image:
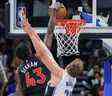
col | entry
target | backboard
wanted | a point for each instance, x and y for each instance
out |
(42, 18)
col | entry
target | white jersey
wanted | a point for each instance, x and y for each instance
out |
(65, 87)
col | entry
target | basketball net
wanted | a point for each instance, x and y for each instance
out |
(67, 34)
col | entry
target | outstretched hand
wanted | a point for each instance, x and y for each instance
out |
(55, 5)
(26, 25)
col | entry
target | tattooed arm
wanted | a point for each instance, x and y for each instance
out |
(51, 25)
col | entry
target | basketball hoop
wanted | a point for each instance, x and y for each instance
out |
(67, 33)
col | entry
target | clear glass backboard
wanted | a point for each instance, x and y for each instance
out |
(37, 11)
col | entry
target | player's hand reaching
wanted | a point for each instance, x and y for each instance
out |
(55, 5)
(52, 9)
(28, 29)
(26, 25)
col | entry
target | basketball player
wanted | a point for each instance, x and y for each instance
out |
(31, 75)
(62, 79)
(48, 42)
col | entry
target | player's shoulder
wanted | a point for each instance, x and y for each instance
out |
(67, 76)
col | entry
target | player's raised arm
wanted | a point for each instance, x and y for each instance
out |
(42, 51)
(51, 25)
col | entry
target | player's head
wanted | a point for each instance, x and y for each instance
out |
(21, 53)
(75, 68)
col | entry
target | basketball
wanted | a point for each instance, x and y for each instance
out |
(61, 11)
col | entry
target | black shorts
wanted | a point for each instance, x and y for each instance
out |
(49, 90)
